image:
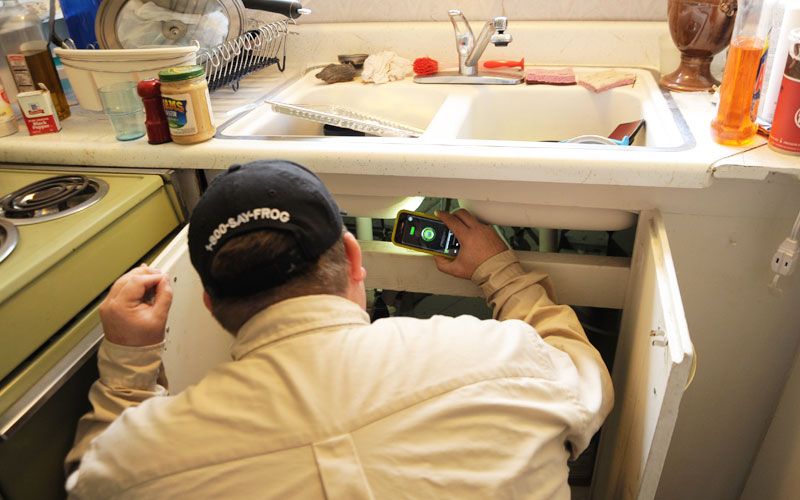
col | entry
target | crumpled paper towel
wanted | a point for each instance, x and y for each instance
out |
(385, 67)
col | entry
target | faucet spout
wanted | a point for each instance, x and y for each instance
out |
(469, 49)
(493, 31)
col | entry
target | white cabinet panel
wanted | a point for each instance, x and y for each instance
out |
(580, 280)
(195, 342)
(652, 366)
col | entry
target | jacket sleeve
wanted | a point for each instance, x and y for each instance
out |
(514, 293)
(128, 376)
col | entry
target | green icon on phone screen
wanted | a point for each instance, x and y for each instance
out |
(428, 234)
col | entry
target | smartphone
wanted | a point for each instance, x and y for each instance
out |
(424, 233)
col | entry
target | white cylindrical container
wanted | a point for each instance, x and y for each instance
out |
(785, 134)
(8, 123)
(774, 75)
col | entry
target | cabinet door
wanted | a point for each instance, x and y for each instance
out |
(652, 366)
(195, 342)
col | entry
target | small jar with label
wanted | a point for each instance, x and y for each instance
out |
(184, 93)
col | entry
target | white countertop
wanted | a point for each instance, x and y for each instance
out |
(87, 139)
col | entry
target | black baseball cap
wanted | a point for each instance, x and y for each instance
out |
(272, 194)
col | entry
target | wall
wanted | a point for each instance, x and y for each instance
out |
(745, 337)
(357, 11)
(774, 474)
(331, 11)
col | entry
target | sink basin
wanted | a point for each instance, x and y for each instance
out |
(401, 102)
(523, 115)
(540, 115)
(537, 113)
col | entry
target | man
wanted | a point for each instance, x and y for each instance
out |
(318, 402)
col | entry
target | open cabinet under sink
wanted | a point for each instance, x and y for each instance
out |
(652, 366)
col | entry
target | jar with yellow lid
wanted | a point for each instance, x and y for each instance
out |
(184, 93)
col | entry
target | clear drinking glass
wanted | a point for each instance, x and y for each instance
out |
(124, 109)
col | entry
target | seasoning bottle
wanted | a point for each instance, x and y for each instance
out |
(785, 134)
(155, 118)
(187, 104)
(18, 24)
(43, 70)
(733, 125)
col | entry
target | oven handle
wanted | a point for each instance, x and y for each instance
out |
(19, 413)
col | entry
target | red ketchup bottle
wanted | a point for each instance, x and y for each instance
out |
(155, 118)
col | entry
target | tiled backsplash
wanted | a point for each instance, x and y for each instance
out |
(335, 11)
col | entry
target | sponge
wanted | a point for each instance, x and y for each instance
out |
(564, 76)
(604, 80)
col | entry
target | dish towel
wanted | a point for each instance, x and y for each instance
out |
(385, 67)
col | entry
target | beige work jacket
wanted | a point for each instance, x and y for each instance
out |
(320, 403)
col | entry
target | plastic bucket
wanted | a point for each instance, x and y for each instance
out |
(89, 70)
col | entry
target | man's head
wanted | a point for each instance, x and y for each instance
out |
(263, 232)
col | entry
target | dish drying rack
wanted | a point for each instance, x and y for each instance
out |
(330, 114)
(227, 63)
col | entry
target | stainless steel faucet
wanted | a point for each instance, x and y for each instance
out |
(470, 51)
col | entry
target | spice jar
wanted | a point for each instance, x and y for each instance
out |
(184, 93)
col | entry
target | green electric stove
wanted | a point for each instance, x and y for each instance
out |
(75, 232)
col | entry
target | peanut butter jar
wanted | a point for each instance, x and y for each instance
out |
(184, 93)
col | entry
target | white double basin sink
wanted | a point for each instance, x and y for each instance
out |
(521, 113)
(463, 115)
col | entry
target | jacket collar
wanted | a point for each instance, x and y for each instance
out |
(294, 316)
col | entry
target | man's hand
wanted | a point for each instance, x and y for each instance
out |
(478, 243)
(135, 311)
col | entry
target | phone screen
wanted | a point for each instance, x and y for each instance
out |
(424, 232)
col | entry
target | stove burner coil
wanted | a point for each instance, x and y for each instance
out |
(51, 198)
(44, 193)
(8, 238)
